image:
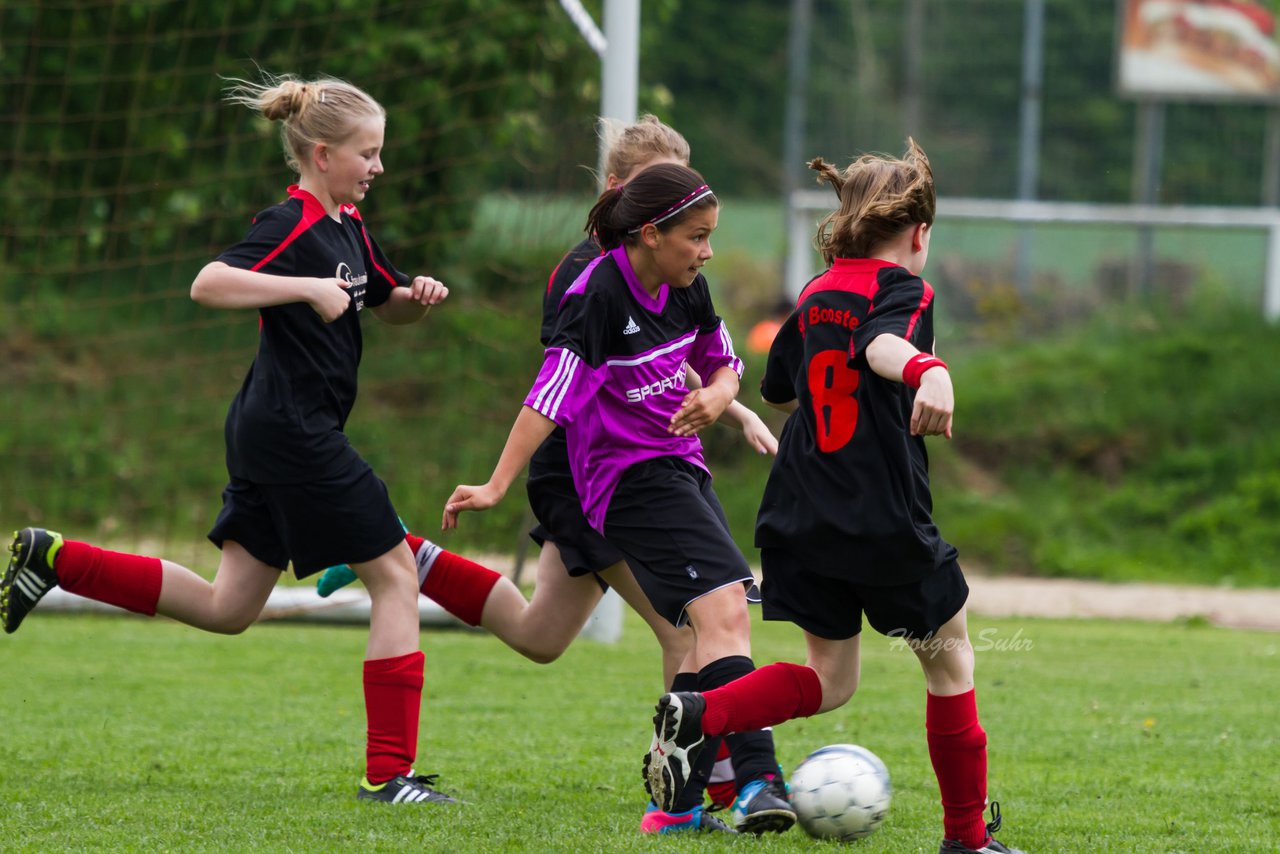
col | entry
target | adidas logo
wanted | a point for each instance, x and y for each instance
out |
(632, 327)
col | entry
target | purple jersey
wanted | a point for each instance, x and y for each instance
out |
(614, 373)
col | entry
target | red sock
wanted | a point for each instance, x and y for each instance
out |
(958, 750)
(392, 701)
(722, 788)
(764, 697)
(124, 580)
(458, 585)
(415, 542)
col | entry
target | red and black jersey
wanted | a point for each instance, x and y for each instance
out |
(849, 489)
(285, 424)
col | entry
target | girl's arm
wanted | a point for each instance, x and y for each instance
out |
(411, 303)
(737, 415)
(703, 405)
(888, 355)
(530, 430)
(219, 285)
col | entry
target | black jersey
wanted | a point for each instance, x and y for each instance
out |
(849, 490)
(562, 278)
(552, 457)
(285, 424)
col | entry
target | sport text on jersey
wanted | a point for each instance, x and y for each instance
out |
(355, 284)
(817, 314)
(675, 382)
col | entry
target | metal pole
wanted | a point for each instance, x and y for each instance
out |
(1029, 132)
(1271, 160)
(620, 70)
(913, 50)
(799, 267)
(1148, 162)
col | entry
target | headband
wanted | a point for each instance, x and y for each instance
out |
(696, 196)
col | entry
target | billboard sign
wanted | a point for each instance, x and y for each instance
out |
(1203, 49)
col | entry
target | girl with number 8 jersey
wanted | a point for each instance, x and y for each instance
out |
(845, 525)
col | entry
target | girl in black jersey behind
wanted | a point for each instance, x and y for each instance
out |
(845, 525)
(298, 491)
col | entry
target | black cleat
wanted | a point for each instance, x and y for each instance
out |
(677, 741)
(29, 575)
(763, 807)
(405, 789)
(991, 846)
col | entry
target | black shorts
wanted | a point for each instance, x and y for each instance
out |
(343, 518)
(666, 519)
(832, 608)
(558, 509)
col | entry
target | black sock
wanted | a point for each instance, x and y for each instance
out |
(752, 752)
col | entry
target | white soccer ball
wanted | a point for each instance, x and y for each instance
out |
(841, 791)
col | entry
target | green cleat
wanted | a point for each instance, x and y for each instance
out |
(334, 578)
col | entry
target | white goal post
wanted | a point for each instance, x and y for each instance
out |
(805, 205)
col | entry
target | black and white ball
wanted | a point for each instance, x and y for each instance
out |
(841, 791)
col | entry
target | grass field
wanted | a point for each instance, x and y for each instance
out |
(125, 734)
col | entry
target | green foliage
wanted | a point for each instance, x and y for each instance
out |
(1136, 445)
(116, 727)
(123, 149)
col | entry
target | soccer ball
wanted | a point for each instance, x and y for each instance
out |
(841, 791)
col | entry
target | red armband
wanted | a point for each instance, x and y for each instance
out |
(917, 365)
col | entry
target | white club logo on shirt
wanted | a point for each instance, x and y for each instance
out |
(632, 327)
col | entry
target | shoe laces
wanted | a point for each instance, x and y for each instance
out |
(428, 780)
(994, 824)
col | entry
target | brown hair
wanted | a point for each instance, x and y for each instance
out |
(309, 111)
(880, 197)
(657, 193)
(633, 145)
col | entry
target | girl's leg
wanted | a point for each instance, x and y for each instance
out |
(146, 585)
(227, 605)
(676, 643)
(392, 669)
(542, 627)
(957, 742)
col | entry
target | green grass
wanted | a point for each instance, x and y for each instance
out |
(125, 734)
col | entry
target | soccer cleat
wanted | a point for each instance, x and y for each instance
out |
(29, 575)
(991, 846)
(334, 578)
(405, 789)
(762, 807)
(696, 819)
(677, 741)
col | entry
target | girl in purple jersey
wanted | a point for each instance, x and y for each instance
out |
(614, 376)
(575, 558)
(298, 491)
(845, 525)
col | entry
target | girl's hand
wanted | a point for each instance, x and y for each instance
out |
(935, 402)
(700, 407)
(468, 498)
(758, 434)
(329, 299)
(427, 291)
